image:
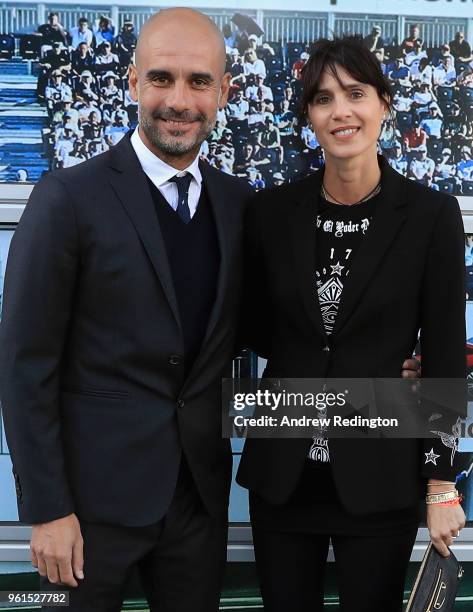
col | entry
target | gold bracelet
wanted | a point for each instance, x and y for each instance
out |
(438, 498)
(439, 484)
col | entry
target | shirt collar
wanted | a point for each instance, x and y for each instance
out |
(158, 170)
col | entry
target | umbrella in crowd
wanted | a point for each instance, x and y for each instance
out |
(247, 24)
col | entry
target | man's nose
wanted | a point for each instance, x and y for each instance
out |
(178, 97)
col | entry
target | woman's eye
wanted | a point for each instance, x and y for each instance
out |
(321, 100)
(357, 94)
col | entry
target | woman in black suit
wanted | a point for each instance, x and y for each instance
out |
(331, 295)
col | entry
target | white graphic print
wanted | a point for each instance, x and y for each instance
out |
(341, 236)
(319, 450)
(431, 457)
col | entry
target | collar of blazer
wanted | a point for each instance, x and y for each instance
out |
(388, 219)
(131, 187)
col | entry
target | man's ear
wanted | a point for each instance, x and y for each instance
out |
(224, 90)
(133, 82)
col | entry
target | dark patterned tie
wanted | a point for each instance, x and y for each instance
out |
(183, 183)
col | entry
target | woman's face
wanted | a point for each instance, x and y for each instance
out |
(347, 122)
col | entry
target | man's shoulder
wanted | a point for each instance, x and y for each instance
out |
(84, 174)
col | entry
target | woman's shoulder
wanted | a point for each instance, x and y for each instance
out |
(274, 200)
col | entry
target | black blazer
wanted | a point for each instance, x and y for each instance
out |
(96, 407)
(408, 275)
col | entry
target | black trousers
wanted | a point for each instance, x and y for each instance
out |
(370, 570)
(180, 559)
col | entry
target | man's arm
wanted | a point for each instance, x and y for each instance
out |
(38, 300)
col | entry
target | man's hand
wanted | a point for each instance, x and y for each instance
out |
(57, 550)
(411, 369)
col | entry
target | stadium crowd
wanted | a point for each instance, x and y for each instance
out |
(259, 136)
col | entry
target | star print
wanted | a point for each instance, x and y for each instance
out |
(431, 457)
(337, 268)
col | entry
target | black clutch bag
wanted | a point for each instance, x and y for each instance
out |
(436, 583)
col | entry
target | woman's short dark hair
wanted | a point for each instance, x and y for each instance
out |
(351, 53)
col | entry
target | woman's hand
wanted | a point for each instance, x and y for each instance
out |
(444, 523)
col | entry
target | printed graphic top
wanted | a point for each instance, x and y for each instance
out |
(340, 230)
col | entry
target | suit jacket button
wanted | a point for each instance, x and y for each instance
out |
(181, 404)
(175, 360)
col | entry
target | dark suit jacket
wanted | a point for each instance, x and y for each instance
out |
(408, 274)
(96, 407)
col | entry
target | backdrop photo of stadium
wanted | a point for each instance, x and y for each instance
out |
(64, 94)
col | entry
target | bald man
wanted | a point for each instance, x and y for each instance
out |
(120, 306)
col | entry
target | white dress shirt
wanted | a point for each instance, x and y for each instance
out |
(160, 173)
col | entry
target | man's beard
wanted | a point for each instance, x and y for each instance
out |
(172, 144)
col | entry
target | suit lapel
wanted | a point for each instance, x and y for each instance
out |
(219, 203)
(129, 183)
(388, 219)
(302, 224)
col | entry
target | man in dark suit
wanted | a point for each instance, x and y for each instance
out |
(119, 317)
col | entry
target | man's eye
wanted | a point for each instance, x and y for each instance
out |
(160, 80)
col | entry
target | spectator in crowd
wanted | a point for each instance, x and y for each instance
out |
(299, 65)
(244, 159)
(278, 179)
(397, 159)
(64, 145)
(125, 43)
(257, 114)
(82, 33)
(414, 137)
(257, 90)
(110, 91)
(92, 128)
(253, 65)
(444, 73)
(422, 99)
(465, 164)
(414, 35)
(83, 58)
(432, 124)
(236, 69)
(86, 86)
(425, 71)
(285, 120)
(76, 156)
(114, 133)
(413, 58)
(309, 138)
(114, 109)
(106, 60)
(86, 107)
(52, 32)
(400, 72)
(374, 41)
(269, 140)
(229, 36)
(58, 58)
(21, 176)
(105, 31)
(255, 179)
(389, 137)
(67, 114)
(445, 169)
(57, 91)
(290, 97)
(421, 167)
(237, 110)
(460, 48)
